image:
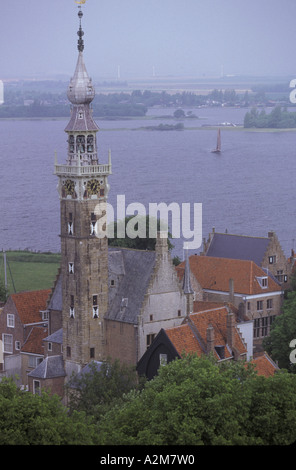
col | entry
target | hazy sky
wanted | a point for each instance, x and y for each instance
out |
(176, 37)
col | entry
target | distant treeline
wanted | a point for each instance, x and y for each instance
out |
(278, 118)
(37, 100)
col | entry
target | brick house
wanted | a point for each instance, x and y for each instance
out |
(214, 331)
(253, 291)
(266, 252)
(22, 312)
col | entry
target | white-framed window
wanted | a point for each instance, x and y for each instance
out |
(36, 387)
(259, 305)
(17, 345)
(269, 304)
(263, 281)
(163, 359)
(10, 320)
(7, 343)
(45, 315)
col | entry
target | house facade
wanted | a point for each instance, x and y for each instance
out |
(266, 252)
(256, 294)
(214, 331)
(21, 314)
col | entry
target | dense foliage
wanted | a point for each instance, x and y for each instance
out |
(192, 401)
(27, 419)
(283, 331)
(278, 118)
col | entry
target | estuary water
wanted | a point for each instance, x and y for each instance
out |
(247, 189)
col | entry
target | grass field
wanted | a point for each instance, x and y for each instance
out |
(27, 270)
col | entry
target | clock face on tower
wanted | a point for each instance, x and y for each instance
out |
(93, 187)
(69, 186)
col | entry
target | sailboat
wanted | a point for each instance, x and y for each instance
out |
(218, 148)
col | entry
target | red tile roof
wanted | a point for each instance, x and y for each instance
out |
(215, 273)
(34, 343)
(185, 341)
(264, 365)
(29, 304)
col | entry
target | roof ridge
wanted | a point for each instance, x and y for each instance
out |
(208, 310)
(237, 235)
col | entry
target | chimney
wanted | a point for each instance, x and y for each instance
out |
(230, 329)
(231, 291)
(210, 339)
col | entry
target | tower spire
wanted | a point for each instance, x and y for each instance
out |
(80, 32)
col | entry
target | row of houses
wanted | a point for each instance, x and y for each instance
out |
(222, 301)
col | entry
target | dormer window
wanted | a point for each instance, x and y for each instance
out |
(263, 281)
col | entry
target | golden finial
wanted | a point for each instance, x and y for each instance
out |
(81, 2)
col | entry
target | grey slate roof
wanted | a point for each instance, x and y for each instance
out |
(49, 368)
(224, 245)
(56, 337)
(87, 122)
(134, 268)
(138, 267)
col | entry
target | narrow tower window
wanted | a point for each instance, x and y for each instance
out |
(80, 143)
(90, 143)
(72, 309)
(95, 307)
(71, 268)
(70, 224)
(71, 143)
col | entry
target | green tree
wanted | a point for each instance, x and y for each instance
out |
(96, 391)
(283, 331)
(139, 243)
(27, 419)
(195, 401)
(190, 402)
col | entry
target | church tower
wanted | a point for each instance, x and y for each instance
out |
(83, 190)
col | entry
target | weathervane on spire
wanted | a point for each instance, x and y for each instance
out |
(81, 2)
(80, 33)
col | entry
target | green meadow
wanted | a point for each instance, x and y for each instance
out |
(28, 270)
